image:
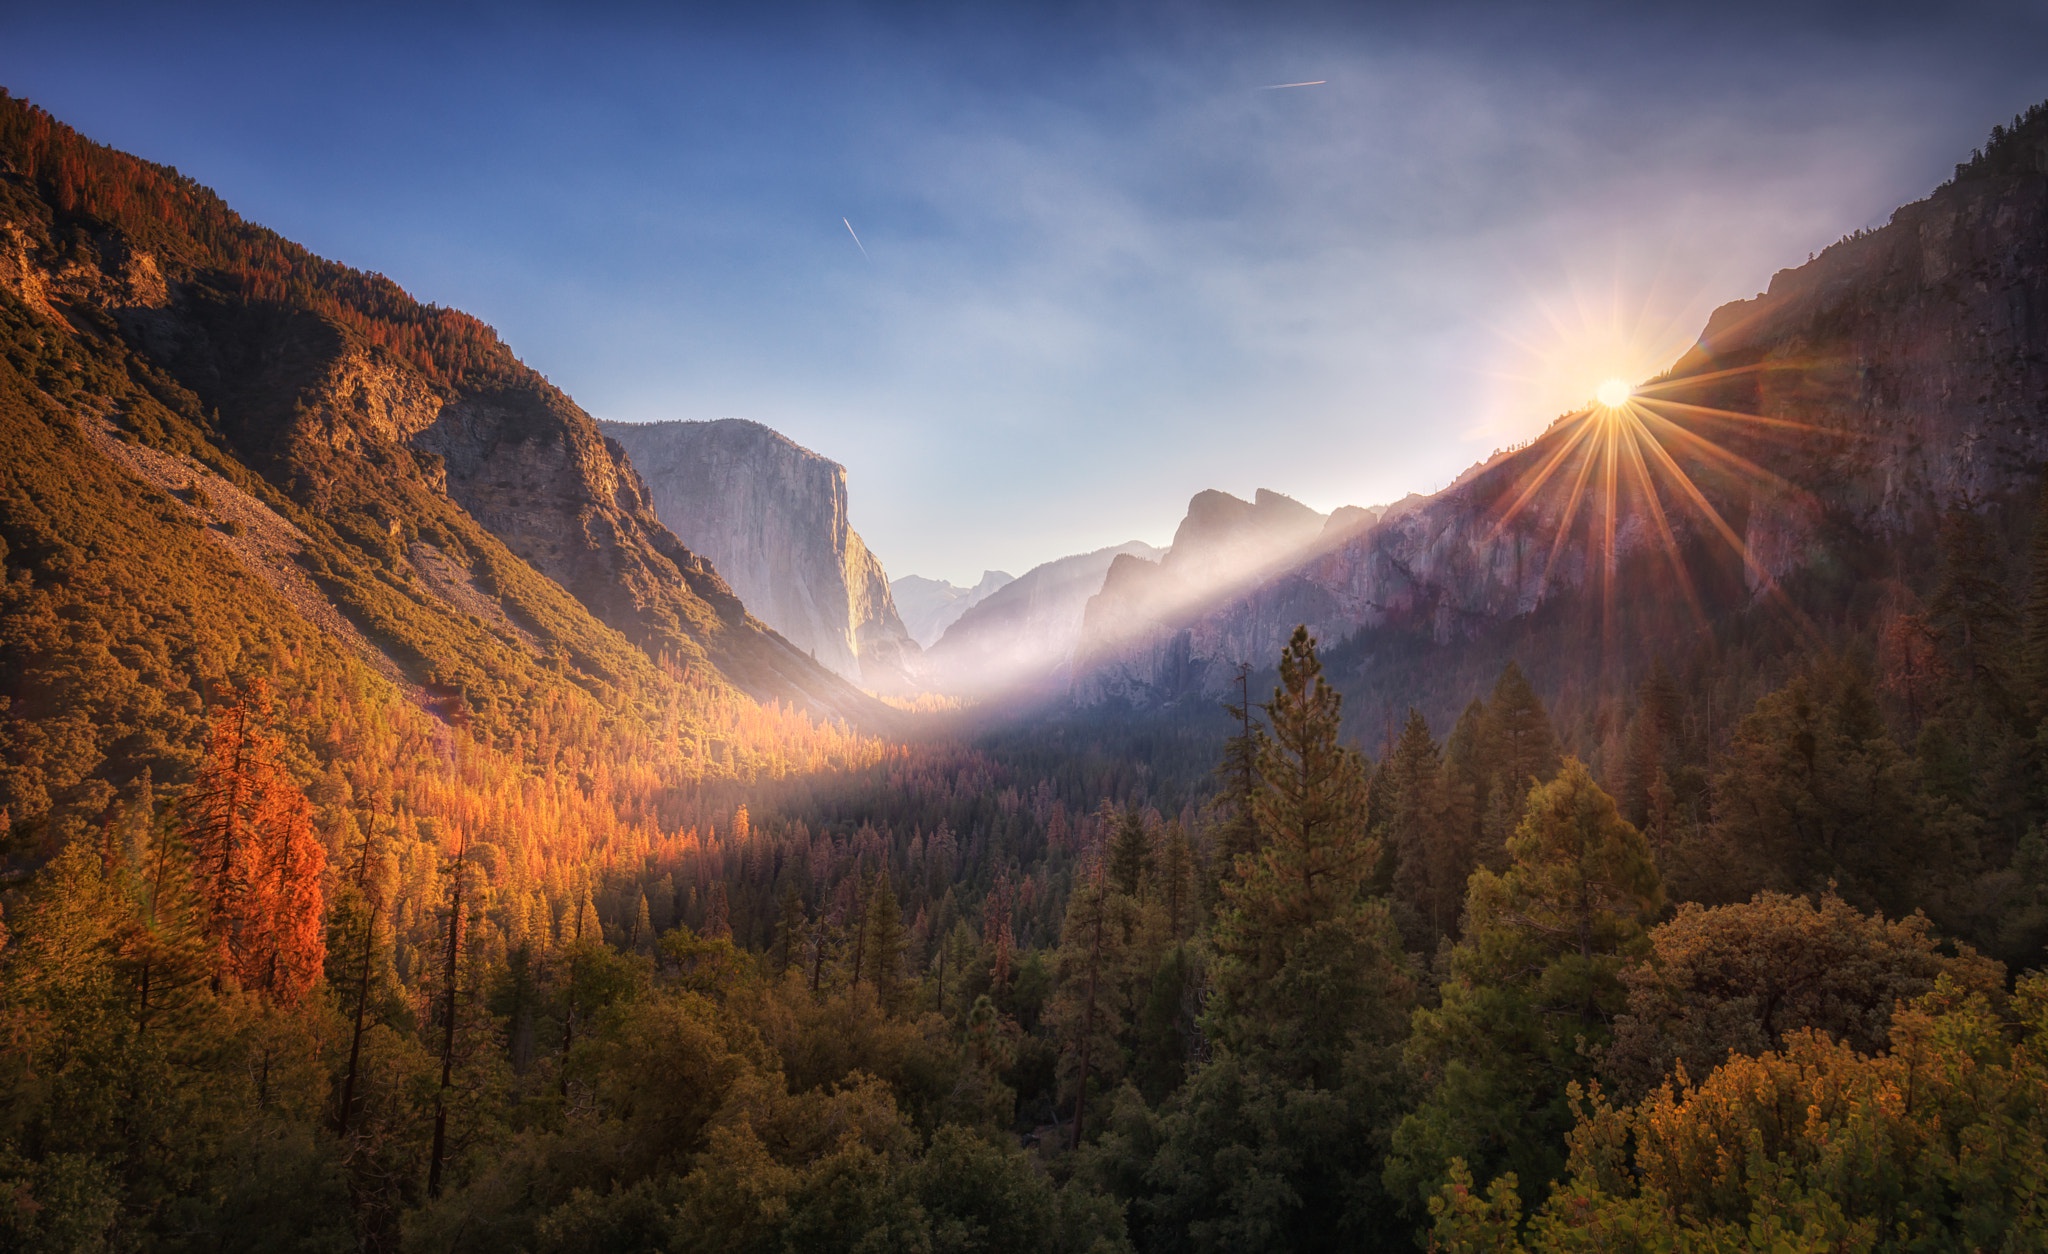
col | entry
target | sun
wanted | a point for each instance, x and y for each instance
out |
(1613, 394)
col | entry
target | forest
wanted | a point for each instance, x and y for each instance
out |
(1776, 991)
(538, 932)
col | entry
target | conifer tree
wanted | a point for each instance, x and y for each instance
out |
(1430, 860)
(789, 927)
(2034, 621)
(1177, 881)
(1130, 851)
(259, 864)
(886, 944)
(1522, 748)
(1305, 963)
(1973, 615)
(1533, 986)
(1237, 777)
(1084, 1012)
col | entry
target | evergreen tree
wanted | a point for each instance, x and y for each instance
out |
(1430, 860)
(1814, 791)
(1532, 989)
(1522, 749)
(1305, 963)
(259, 864)
(2034, 621)
(886, 944)
(1130, 852)
(1237, 776)
(1973, 613)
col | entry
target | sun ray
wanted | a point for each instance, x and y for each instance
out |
(1763, 578)
(1542, 475)
(1727, 457)
(1607, 529)
(1655, 503)
(1571, 514)
(1666, 383)
(1725, 415)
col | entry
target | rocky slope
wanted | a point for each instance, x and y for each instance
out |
(771, 517)
(1900, 372)
(1026, 631)
(930, 606)
(434, 474)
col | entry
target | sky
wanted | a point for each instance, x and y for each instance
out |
(1105, 260)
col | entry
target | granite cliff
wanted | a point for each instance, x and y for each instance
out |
(770, 515)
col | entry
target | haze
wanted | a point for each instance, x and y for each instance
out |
(1103, 269)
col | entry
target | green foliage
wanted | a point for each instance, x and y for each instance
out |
(1532, 989)
(1743, 978)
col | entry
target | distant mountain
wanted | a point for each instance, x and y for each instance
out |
(1025, 632)
(1222, 545)
(771, 516)
(1807, 444)
(930, 606)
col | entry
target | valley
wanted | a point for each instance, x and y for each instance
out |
(438, 818)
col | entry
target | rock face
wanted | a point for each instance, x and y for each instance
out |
(930, 606)
(771, 517)
(1900, 372)
(1026, 631)
(1223, 545)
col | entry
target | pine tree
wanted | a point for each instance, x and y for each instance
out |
(2034, 621)
(1430, 861)
(1522, 748)
(886, 944)
(1533, 986)
(1083, 1011)
(1306, 966)
(789, 927)
(1130, 851)
(1177, 881)
(1973, 613)
(1237, 777)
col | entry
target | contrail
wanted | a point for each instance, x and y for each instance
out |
(1311, 83)
(856, 240)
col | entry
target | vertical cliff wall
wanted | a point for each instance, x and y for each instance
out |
(771, 517)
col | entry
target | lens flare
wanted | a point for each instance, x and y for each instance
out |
(1642, 467)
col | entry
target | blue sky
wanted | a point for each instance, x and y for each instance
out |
(1105, 267)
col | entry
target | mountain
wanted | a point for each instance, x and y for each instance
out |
(1024, 632)
(1810, 439)
(771, 517)
(1222, 545)
(930, 606)
(226, 458)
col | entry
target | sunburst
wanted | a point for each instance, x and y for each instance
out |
(1626, 455)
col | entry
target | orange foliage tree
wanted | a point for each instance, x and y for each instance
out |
(256, 858)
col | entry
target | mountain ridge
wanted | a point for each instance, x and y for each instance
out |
(1899, 371)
